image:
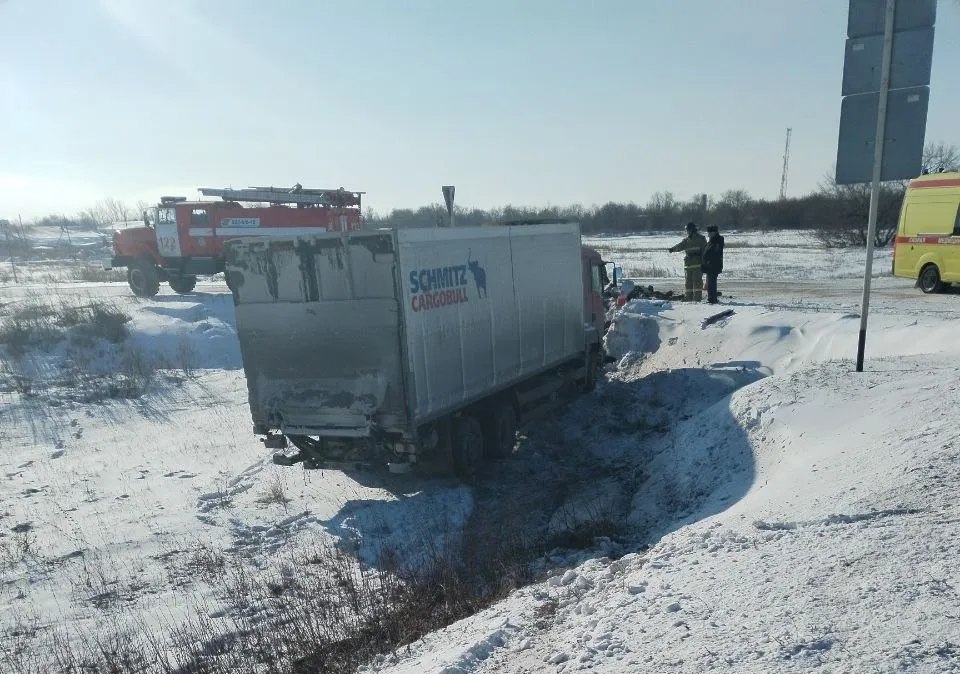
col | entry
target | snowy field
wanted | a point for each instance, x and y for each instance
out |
(774, 510)
(748, 255)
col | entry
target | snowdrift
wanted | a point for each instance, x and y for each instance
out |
(805, 520)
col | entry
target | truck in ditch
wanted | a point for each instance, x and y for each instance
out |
(413, 345)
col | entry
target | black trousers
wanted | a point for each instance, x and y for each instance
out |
(711, 288)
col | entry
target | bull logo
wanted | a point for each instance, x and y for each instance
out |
(479, 276)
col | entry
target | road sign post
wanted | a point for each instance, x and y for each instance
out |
(448, 191)
(886, 77)
(875, 184)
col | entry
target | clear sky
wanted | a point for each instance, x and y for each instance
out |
(527, 102)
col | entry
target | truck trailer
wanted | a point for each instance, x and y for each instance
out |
(413, 345)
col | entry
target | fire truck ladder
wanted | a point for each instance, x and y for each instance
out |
(296, 195)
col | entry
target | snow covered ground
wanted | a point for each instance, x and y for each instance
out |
(807, 520)
(790, 255)
(779, 512)
(111, 505)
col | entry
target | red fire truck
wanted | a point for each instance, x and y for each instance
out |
(181, 238)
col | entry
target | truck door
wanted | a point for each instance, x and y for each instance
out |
(594, 312)
(319, 329)
(168, 238)
(200, 233)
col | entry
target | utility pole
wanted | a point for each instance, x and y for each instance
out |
(786, 164)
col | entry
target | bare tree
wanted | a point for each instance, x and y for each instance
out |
(941, 156)
(849, 224)
(730, 209)
(107, 211)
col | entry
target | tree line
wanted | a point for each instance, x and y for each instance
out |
(836, 213)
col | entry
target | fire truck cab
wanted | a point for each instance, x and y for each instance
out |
(180, 239)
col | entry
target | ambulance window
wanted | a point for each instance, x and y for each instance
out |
(198, 216)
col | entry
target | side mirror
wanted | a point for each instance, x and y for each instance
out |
(617, 274)
(146, 220)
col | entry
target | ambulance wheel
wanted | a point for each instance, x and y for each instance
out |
(183, 285)
(143, 278)
(500, 431)
(467, 448)
(929, 280)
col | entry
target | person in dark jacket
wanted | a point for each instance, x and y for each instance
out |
(712, 261)
(692, 249)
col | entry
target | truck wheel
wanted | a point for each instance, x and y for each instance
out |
(467, 448)
(500, 431)
(143, 278)
(183, 284)
(929, 280)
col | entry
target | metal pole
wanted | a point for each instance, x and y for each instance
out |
(875, 184)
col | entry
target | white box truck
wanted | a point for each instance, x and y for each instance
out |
(413, 344)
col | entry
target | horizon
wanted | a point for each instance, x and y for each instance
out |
(545, 104)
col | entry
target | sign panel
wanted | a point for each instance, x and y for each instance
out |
(866, 16)
(240, 222)
(909, 63)
(903, 135)
(448, 191)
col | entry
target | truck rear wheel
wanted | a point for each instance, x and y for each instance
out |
(467, 448)
(929, 280)
(183, 284)
(500, 431)
(143, 278)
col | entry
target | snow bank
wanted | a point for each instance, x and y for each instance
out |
(840, 552)
(806, 520)
(778, 340)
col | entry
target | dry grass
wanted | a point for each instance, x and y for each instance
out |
(319, 611)
(40, 325)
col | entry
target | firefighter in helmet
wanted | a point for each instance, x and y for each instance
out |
(692, 247)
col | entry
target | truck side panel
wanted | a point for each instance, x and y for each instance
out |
(319, 330)
(550, 305)
(487, 307)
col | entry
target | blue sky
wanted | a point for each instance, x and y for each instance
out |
(527, 102)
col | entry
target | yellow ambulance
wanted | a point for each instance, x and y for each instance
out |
(927, 246)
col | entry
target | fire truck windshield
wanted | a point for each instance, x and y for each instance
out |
(150, 217)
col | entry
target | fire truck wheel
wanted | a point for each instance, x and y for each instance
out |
(929, 280)
(500, 431)
(143, 278)
(467, 448)
(183, 285)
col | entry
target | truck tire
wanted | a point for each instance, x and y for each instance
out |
(929, 280)
(467, 448)
(183, 285)
(143, 278)
(500, 431)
